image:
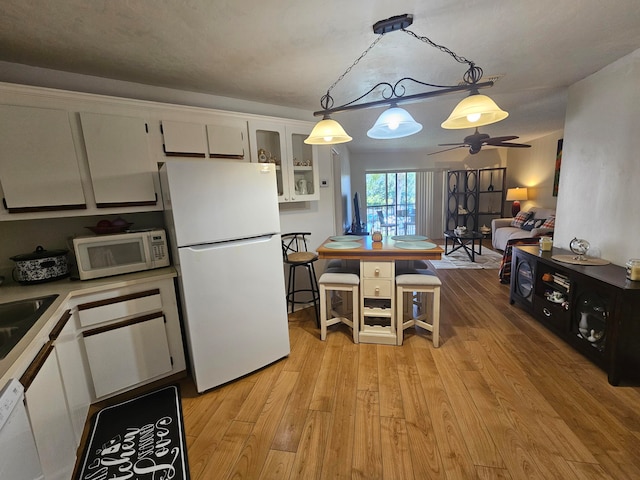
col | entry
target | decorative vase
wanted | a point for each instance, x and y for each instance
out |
(583, 325)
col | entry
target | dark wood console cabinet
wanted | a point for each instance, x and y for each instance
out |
(595, 309)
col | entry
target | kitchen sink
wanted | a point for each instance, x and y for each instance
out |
(16, 318)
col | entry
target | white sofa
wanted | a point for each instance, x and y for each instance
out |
(502, 231)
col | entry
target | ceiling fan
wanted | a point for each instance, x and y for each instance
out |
(477, 140)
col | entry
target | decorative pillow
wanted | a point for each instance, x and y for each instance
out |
(520, 218)
(532, 223)
(550, 222)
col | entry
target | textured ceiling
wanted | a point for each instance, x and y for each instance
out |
(288, 53)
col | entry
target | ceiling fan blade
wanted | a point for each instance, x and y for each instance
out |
(512, 145)
(446, 149)
(494, 140)
(451, 144)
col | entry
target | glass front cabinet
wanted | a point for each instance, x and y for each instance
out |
(595, 309)
(295, 161)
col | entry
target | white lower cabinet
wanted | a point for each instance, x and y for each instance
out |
(49, 417)
(75, 374)
(126, 354)
(129, 336)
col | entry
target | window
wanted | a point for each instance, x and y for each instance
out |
(391, 202)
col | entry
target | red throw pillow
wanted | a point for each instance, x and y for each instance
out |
(550, 222)
(520, 218)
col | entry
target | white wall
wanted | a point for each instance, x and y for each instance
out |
(534, 168)
(600, 175)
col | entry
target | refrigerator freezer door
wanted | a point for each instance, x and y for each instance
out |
(218, 201)
(234, 306)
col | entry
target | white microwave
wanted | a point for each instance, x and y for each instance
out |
(105, 255)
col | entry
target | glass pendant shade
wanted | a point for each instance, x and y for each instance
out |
(394, 123)
(327, 132)
(474, 111)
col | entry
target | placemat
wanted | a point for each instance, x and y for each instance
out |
(142, 438)
(573, 260)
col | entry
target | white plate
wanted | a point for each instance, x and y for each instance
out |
(342, 245)
(343, 238)
(416, 245)
(409, 238)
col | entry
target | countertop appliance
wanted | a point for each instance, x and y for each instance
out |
(224, 231)
(105, 255)
(18, 455)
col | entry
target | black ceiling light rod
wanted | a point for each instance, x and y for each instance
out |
(395, 94)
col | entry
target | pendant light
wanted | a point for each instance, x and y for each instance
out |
(474, 111)
(394, 122)
(327, 132)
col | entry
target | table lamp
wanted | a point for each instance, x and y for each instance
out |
(515, 195)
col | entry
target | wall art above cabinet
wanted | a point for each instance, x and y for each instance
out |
(38, 162)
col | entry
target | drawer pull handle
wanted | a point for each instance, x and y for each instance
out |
(546, 312)
(377, 272)
(377, 290)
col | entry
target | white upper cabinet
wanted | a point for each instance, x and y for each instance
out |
(218, 138)
(38, 163)
(296, 162)
(228, 138)
(184, 139)
(122, 172)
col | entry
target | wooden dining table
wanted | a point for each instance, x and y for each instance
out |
(377, 315)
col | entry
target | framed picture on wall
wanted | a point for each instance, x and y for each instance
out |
(556, 176)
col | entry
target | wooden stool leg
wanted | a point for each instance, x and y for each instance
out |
(324, 309)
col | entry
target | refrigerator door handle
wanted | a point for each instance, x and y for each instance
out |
(231, 243)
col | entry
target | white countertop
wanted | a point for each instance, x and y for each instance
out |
(37, 336)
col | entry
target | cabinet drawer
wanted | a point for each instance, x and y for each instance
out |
(377, 287)
(376, 269)
(552, 314)
(119, 307)
(126, 356)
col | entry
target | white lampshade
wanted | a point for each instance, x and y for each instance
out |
(517, 194)
(474, 111)
(394, 122)
(327, 132)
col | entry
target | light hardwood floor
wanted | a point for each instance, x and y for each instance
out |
(502, 398)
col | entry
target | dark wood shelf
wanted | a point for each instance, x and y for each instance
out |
(600, 316)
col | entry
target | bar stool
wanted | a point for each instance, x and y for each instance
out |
(332, 282)
(296, 255)
(425, 284)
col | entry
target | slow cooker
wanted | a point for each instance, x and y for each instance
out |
(40, 266)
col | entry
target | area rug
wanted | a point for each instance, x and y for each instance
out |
(142, 438)
(459, 259)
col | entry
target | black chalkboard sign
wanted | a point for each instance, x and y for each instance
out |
(142, 438)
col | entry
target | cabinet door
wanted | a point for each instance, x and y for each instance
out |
(121, 169)
(49, 417)
(184, 139)
(228, 138)
(74, 372)
(126, 354)
(38, 163)
(268, 143)
(302, 164)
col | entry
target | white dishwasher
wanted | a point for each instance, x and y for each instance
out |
(18, 455)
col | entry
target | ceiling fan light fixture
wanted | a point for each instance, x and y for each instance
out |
(394, 122)
(475, 110)
(327, 132)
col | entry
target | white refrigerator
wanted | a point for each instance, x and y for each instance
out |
(224, 229)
